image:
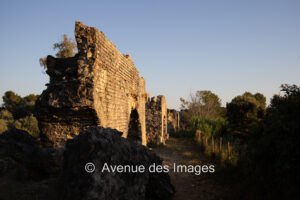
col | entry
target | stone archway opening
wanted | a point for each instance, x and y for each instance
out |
(134, 128)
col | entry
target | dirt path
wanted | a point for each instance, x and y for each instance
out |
(184, 151)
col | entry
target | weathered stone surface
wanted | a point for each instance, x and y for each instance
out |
(103, 145)
(173, 120)
(21, 158)
(99, 86)
(156, 119)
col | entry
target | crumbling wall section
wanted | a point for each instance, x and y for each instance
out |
(99, 86)
(156, 119)
(173, 121)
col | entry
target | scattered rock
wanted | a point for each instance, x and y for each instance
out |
(104, 145)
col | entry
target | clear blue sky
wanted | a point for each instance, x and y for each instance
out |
(228, 47)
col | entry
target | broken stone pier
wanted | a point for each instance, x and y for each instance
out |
(156, 119)
(173, 121)
(99, 86)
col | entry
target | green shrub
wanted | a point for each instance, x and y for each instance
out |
(245, 113)
(209, 127)
(29, 124)
(6, 118)
(6, 115)
(3, 125)
(273, 153)
(17, 105)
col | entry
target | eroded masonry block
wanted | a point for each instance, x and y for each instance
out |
(99, 86)
(156, 119)
(173, 120)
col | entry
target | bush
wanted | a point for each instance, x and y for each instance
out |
(6, 115)
(6, 118)
(3, 125)
(17, 112)
(277, 151)
(245, 112)
(272, 152)
(29, 124)
(17, 105)
(209, 127)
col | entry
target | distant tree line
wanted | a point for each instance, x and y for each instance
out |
(17, 112)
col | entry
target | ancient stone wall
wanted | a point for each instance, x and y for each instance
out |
(99, 86)
(156, 119)
(173, 120)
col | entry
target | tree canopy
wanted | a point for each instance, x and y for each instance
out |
(203, 104)
(17, 112)
(18, 106)
(66, 47)
(274, 153)
(245, 112)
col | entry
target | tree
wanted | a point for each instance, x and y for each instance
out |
(17, 112)
(245, 112)
(274, 153)
(18, 106)
(202, 104)
(66, 48)
(11, 101)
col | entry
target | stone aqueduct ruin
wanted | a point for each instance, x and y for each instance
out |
(98, 86)
(156, 119)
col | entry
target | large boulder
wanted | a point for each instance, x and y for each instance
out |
(22, 158)
(99, 145)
